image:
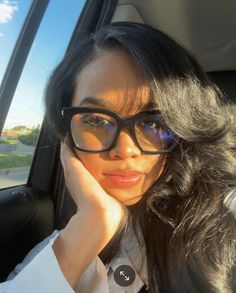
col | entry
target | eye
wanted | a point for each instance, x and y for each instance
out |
(150, 124)
(94, 120)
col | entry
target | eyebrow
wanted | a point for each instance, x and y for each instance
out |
(96, 101)
(107, 104)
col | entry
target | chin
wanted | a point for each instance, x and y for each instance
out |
(124, 196)
(132, 201)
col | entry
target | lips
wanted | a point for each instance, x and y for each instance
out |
(124, 178)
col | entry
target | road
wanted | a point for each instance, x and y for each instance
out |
(13, 176)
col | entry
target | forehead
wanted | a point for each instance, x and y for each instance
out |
(113, 78)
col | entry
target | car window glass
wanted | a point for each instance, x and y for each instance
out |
(12, 16)
(22, 126)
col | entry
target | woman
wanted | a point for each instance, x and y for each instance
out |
(147, 143)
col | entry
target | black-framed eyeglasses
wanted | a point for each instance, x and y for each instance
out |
(95, 130)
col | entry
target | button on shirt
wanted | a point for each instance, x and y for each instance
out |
(40, 272)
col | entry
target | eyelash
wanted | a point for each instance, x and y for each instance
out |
(89, 119)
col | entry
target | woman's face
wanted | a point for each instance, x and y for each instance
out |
(124, 172)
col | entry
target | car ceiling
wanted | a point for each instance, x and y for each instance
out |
(206, 27)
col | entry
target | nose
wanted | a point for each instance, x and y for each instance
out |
(125, 147)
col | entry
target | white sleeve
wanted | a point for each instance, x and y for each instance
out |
(38, 273)
(94, 279)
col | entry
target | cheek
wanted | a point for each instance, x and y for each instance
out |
(156, 166)
(92, 163)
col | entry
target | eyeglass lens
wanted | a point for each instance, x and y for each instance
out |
(97, 131)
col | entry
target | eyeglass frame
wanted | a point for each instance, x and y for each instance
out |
(68, 112)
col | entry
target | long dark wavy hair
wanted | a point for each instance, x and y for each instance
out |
(188, 231)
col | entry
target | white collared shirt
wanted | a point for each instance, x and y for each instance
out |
(40, 272)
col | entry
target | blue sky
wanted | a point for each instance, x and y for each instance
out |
(47, 50)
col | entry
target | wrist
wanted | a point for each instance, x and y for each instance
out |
(78, 244)
(114, 210)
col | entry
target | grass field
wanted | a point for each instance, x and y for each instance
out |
(15, 160)
(8, 141)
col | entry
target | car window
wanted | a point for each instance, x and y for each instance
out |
(12, 15)
(22, 126)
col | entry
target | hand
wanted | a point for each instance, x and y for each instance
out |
(86, 192)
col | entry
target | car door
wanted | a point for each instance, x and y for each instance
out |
(33, 201)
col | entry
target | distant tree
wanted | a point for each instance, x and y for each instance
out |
(30, 138)
(19, 127)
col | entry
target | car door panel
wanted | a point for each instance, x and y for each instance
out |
(26, 217)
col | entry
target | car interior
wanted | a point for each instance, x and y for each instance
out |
(30, 212)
